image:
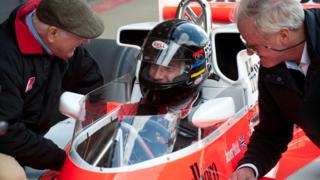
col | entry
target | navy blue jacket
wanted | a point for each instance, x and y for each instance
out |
(282, 104)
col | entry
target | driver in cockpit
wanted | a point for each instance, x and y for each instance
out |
(175, 61)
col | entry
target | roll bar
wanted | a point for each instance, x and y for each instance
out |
(202, 18)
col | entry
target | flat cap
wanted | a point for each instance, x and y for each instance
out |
(74, 16)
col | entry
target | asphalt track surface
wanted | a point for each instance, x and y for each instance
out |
(114, 13)
(125, 12)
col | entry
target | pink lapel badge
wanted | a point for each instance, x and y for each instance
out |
(30, 83)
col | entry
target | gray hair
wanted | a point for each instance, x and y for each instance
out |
(272, 15)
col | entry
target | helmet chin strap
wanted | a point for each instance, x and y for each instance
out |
(182, 110)
(183, 77)
(185, 108)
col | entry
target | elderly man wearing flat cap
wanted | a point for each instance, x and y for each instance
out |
(40, 57)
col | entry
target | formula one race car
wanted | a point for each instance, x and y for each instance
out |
(110, 144)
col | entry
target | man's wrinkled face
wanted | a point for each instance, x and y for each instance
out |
(261, 44)
(64, 44)
(166, 74)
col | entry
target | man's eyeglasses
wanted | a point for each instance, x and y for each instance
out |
(255, 49)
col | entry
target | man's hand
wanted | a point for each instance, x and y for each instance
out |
(244, 173)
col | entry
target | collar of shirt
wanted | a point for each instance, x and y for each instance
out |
(304, 62)
(35, 33)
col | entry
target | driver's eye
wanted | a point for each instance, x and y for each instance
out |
(169, 68)
(174, 64)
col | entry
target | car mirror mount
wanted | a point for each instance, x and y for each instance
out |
(213, 111)
(70, 104)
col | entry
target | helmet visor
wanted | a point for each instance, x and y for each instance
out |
(169, 60)
(167, 53)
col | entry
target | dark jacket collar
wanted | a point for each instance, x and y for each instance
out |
(312, 33)
(26, 41)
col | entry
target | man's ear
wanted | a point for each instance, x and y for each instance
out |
(52, 33)
(284, 36)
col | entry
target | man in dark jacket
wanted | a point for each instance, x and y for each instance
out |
(40, 57)
(286, 38)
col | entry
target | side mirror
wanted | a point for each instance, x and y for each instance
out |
(70, 104)
(213, 111)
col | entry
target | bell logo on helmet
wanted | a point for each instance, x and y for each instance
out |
(159, 45)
